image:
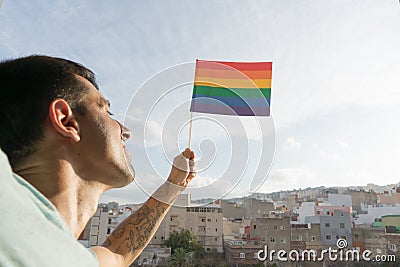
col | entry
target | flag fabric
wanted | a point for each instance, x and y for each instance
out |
(232, 88)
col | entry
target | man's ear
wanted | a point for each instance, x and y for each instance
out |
(62, 119)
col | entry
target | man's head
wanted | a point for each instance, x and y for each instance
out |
(29, 87)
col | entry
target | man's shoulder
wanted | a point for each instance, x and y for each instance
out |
(32, 232)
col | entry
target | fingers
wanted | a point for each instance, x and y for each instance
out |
(183, 168)
(182, 163)
(187, 153)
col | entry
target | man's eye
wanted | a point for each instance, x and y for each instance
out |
(109, 113)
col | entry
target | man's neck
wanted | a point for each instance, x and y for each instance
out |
(75, 199)
(76, 207)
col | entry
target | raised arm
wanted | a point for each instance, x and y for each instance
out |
(129, 239)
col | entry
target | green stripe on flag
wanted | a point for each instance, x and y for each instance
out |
(232, 92)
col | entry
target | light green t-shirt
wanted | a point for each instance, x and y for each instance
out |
(32, 232)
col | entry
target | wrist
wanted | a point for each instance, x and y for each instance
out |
(168, 192)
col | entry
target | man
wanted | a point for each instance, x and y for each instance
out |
(65, 151)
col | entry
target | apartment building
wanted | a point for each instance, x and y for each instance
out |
(362, 198)
(95, 232)
(390, 197)
(242, 252)
(103, 223)
(333, 226)
(205, 221)
(324, 209)
(255, 208)
(274, 231)
(236, 228)
(232, 210)
(305, 237)
(376, 212)
(153, 257)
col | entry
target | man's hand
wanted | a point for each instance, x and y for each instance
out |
(183, 170)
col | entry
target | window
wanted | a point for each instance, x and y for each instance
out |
(275, 227)
(272, 240)
(392, 247)
(208, 220)
(155, 237)
(356, 236)
(236, 255)
(378, 251)
(283, 240)
(203, 219)
(254, 226)
(328, 237)
(216, 239)
(242, 255)
(216, 229)
(108, 231)
(341, 225)
(313, 238)
(256, 255)
(343, 237)
(327, 225)
(162, 238)
(299, 238)
(282, 227)
(208, 249)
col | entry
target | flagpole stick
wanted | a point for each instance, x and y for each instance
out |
(190, 138)
(190, 128)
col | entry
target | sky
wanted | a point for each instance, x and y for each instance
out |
(335, 85)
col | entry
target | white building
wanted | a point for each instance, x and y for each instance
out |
(376, 212)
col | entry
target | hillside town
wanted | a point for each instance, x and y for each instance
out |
(359, 224)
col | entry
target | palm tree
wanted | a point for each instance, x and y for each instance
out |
(179, 259)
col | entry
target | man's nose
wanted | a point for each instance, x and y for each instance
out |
(125, 132)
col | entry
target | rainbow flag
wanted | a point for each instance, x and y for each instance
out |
(232, 88)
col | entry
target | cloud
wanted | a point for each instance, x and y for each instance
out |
(291, 144)
(285, 178)
(342, 144)
(358, 176)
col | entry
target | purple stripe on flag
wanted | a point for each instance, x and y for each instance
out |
(231, 101)
(229, 110)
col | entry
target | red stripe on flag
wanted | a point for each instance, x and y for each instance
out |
(241, 66)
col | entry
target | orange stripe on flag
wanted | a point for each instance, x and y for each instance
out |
(234, 74)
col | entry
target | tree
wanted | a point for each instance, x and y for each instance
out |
(179, 258)
(184, 239)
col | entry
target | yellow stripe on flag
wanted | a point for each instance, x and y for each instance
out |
(233, 83)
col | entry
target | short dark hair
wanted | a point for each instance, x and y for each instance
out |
(27, 87)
